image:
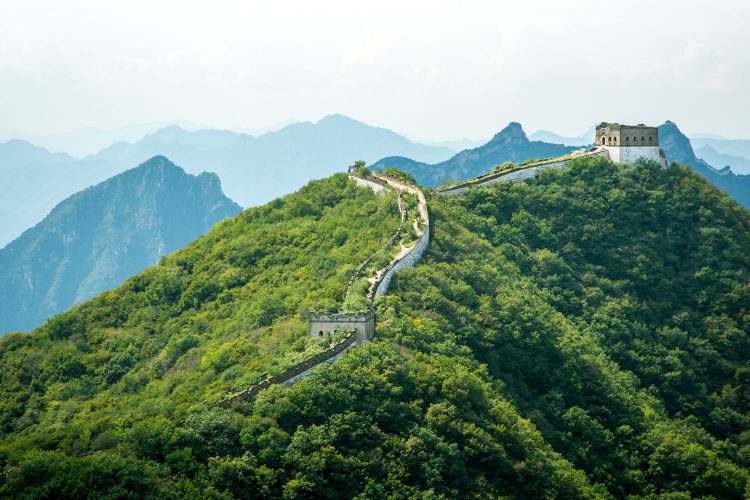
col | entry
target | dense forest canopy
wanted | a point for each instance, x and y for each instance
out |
(581, 334)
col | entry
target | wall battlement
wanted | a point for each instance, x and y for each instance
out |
(354, 316)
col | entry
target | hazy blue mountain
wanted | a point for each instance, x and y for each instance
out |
(253, 170)
(459, 144)
(677, 148)
(510, 144)
(733, 147)
(88, 140)
(99, 237)
(16, 151)
(33, 181)
(739, 164)
(546, 136)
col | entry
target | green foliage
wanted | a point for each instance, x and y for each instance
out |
(63, 325)
(400, 174)
(502, 166)
(580, 335)
(360, 167)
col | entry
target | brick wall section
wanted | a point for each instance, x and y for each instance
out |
(521, 173)
(408, 260)
(296, 370)
(415, 253)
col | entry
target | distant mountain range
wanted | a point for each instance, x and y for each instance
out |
(33, 181)
(99, 237)
(546, 136)
(252, 170)
(739, 164)
(510, 144)
(733, 147)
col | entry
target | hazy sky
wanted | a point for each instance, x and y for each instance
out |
(433, 69)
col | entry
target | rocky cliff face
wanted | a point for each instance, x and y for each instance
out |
(510, 144)
(99, 237)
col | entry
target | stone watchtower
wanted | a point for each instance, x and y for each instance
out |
(324, 324)
(628, 143)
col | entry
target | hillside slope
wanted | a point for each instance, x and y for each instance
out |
(99, 237)
(581, 335)
(510, 144)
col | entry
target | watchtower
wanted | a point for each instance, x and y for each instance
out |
(628, 143)
(324, 324)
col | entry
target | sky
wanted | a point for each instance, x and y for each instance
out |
(434, 70)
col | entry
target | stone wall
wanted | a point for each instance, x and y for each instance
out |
(290, 374)
(324, 324)
(409, 260)
(521, 173)
(362, 182)
(633, 153)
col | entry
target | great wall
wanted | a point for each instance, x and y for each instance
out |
(360, 326)
(613, 141)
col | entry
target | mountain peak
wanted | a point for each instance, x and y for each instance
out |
(337, 119)
(512, 133)
(98, 237)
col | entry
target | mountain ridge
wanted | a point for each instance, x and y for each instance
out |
(102, 235)
(510, 144)
(253, 170)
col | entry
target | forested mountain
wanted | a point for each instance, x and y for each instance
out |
(253, 170)
(510, 144)
(99, 237)
(678, 149)
(582, 334)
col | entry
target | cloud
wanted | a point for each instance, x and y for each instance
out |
(436, 69)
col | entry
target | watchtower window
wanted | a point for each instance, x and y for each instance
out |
(604, 141)
(650, 138)
(643, 139)
(320, 333)
(627, 139)
(614, 139)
